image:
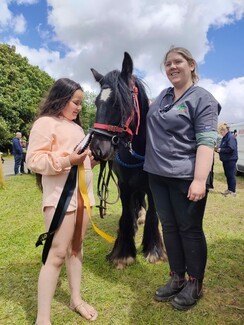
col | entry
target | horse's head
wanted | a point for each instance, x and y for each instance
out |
(118, 113)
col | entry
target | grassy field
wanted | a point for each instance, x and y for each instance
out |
(121, 297)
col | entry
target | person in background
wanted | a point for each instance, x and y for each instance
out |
(2, 181)
(181, 135)
(24, 150)
(51, 153)
(2, 159)
(17, 152)
(228, 154)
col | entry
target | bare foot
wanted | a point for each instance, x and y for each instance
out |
(85, 310)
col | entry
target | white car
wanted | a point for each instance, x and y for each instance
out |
(238, 130)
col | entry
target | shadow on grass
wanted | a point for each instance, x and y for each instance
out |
(223, 285)
(223, 274)
(19, 292)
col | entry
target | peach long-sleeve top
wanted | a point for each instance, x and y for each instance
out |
(51, 141)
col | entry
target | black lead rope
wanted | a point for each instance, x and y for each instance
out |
(102, 186)
(102, 190)
(59, 214)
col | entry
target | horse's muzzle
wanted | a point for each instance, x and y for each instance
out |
(102, 148)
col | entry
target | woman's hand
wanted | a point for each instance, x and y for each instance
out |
(203, 165)
(76, 159)
(197, 191)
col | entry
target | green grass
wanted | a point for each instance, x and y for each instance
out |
(121, 297)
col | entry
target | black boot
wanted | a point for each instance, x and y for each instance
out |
(175, 284)
(189, 296)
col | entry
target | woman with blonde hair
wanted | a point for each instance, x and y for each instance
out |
(181, 135)
(228, 155)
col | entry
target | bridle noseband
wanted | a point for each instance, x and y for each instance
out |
(114, 137)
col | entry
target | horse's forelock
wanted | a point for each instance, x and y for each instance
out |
(122, 95)
(123, 92)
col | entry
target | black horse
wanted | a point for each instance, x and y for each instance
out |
(119, 136)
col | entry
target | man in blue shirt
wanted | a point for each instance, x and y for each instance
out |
(17, 152)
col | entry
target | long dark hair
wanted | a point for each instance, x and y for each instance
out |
(56, 99)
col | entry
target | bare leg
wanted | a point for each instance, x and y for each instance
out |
(74, 268)
(49, 273)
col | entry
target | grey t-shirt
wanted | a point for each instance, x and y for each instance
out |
(171, 131)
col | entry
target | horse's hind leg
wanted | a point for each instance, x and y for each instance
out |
(140, 208)
(153, 248)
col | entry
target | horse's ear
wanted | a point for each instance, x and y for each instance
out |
(98, 77)
(127, 67)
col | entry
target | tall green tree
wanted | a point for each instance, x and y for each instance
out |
(88, 110)
(22, 86)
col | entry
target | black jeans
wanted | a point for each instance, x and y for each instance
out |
(230, 169)
(181, 221)
(17, 163)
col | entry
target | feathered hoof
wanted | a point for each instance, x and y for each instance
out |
(156, 258)
(122, 263)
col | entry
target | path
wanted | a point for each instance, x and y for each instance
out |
(8, 166)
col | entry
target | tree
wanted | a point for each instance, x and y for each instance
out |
(22, 86)
(88, 110)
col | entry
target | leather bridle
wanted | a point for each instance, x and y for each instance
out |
(110, 130)
(115, 132)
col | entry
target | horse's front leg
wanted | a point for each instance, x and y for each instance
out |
(124, 250)
(152, 244)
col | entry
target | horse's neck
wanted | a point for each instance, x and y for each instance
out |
(139, 142)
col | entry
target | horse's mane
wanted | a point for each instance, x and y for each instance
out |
(123, 93)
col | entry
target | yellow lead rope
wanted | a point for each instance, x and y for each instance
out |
(84, 195)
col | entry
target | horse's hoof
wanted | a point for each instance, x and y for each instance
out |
(121, 264)
(156, 258)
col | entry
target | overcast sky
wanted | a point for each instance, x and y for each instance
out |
(67, 38)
